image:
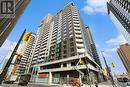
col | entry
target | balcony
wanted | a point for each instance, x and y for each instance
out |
(81, 50)
(78, 32)
(79, 45)
(76, 25)
(78, 35)
(77, 28)
(79, 40)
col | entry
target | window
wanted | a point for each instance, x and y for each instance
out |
(78, 37)
(64, 56)
(71, 39)
(76, 22)
(71, 44)
(72, 49)
(78, 33)
(65, 51)
(73, 64)
(77, 29)
(57, 50)
(64, 42)
(76, 26)
(72, 54)
(57, 54)
(64, 46)
(79, 42)
(64, 64)
(58, 45)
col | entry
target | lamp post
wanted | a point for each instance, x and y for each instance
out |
(108, 69)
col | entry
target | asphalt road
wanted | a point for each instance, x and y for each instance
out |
(103, 84)
(29, 85)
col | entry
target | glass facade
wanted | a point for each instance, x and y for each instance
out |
(119, 10)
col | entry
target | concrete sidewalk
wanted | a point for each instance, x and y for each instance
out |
(103, 84)
(86, 86)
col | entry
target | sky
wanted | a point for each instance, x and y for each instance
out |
(94, 15)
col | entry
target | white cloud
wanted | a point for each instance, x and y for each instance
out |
(95, 6)
(5, 49)
(113, 43)
(116, 41)
(110, 53)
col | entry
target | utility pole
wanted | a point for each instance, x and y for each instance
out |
(4, 71)
(109, 72)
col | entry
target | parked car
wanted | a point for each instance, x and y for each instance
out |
(9, 82)
(23, 82)
(128, 84)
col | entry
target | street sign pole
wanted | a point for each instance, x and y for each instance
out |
(5, 69)
(108, 69)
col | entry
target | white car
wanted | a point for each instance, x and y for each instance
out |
(128, 84)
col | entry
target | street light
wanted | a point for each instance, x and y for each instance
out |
(108, 69)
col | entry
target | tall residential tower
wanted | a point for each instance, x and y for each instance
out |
(7, 24)
(124, 54)
(91, 47)
(59, 48)
(119, 11)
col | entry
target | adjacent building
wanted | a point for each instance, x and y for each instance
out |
(21, 60)
(7, 24)
(12, 71)
(5, 60)
(119, 11)
(124, 54)
(61, 43)
(25, 60)
(91, 47)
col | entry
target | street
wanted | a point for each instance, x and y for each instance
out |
(29, 85)
(103, 84)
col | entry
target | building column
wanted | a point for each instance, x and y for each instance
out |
(32, 78)
(36, 74)
(80, 78)
(62, 65)
(68, 79)
(50, 78)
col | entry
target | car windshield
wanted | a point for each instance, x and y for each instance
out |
(128, 83)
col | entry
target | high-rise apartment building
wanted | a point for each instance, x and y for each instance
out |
(25, 60)
(21, 60)
(12, 71)
(119, 11)
(8, 56)
(124, 54)
(91, 47)
(59, 45)
(7, 24)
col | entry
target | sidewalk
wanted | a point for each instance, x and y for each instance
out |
(103, 84)
(88, 86)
